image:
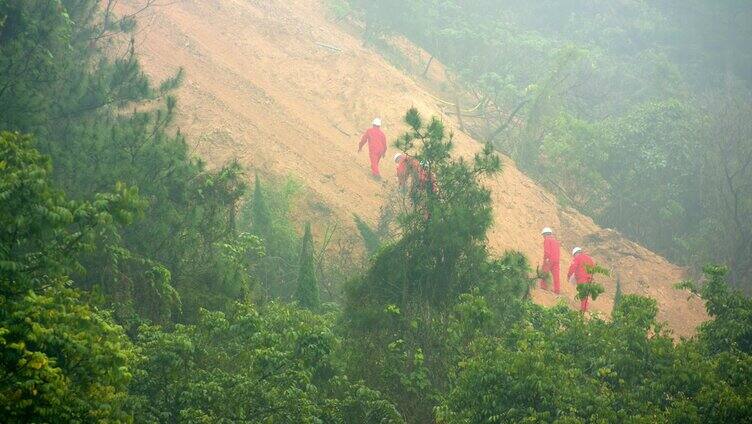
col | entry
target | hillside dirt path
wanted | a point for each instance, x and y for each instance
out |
(260, 89)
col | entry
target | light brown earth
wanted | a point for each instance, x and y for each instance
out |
(260, 88)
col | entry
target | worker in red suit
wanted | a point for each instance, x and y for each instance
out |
(578, 272)
(413, 178)
(376, 146)
(551, 254)
(409, 167)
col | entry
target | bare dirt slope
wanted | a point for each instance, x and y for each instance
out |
(261, 88)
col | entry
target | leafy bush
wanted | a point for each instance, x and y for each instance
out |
(60, 359)
(269, 364)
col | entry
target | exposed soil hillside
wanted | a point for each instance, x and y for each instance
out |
(287, 91)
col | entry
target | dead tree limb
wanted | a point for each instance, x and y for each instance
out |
(330, 47)
(492, 137)
(425, 71)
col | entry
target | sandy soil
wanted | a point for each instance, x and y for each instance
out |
(261, 87)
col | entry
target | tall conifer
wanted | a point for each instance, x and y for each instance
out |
(307, 293)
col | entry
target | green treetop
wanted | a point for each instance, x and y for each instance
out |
(307, 293)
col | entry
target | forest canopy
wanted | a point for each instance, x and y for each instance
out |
(137, 285)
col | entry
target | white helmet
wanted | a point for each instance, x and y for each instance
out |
(377, 122)
(576, 250)
(398, 156)
(547, 230)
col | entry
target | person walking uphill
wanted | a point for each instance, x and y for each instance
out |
(579, 273)
(551, 255)
(376, 146)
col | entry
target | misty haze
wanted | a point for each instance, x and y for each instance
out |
(358, 211)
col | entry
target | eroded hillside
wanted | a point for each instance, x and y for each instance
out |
(287, 91)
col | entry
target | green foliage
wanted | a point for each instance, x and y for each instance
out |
(267, 216)
(307, 293)
(435, 329)
(239, 261)
(527, 384)
(653, 143)
(61, 360)
(572, 151)
(41, 229)
(617, 293)
(483, 353)
(441, 249)
(731, 327)
(555, 366)
(592, 289)
(397, 314)
(274, 364)
(260, 215)
(589, 290)
(513, 268)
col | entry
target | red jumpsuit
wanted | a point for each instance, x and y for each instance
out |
(551, 255)
(376, 147)
(407, 168)
(581, 275)
(410, 167)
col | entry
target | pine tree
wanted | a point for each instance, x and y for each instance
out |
(307, 293)
(441, 250)
(618, 294)
(261, 217)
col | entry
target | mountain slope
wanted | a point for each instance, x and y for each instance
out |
(264, 85)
